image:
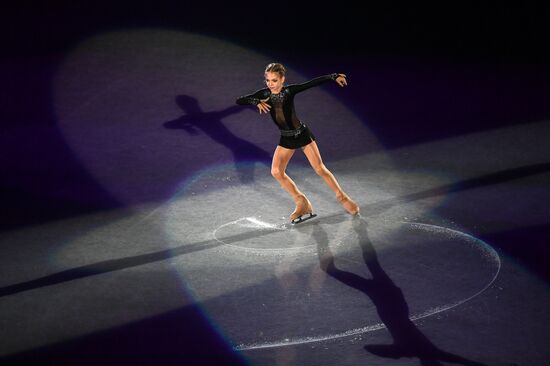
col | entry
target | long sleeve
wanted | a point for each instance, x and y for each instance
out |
(253, 98)
(297, 88)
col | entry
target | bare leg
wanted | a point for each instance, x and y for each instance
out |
(281, 157)
(314, 157)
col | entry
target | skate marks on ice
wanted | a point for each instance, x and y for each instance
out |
(255, 236)
(471, 247)
(458, 268)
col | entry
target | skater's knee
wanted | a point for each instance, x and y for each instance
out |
(321, 170)
(277, 173)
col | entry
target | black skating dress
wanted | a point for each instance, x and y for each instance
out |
(283, 113)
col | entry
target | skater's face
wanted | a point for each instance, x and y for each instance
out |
(274, 81)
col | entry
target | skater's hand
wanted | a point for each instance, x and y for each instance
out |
(263, 106)
(341, 80)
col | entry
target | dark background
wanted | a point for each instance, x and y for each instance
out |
(473, 31)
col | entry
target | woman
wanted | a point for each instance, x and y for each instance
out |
(278, 100)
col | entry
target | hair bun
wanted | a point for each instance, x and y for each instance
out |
(276, 67)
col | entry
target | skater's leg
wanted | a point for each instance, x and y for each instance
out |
(281, 157)
(314, 157)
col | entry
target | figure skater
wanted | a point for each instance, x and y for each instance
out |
(278, 100)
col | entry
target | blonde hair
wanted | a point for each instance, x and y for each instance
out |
(276, 67)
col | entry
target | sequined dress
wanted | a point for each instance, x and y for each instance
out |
(282, 110)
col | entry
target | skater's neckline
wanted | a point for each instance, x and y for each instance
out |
(280, 91)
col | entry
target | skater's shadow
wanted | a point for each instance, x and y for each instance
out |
(111, 265)
(408, 340)
(195, 120)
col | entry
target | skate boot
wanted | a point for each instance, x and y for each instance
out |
(348, 204)
(303, 210)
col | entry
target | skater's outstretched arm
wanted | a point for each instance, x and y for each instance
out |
(297, 88)
(253, 99)
(259, 99)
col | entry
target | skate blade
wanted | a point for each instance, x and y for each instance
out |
(303, 218)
